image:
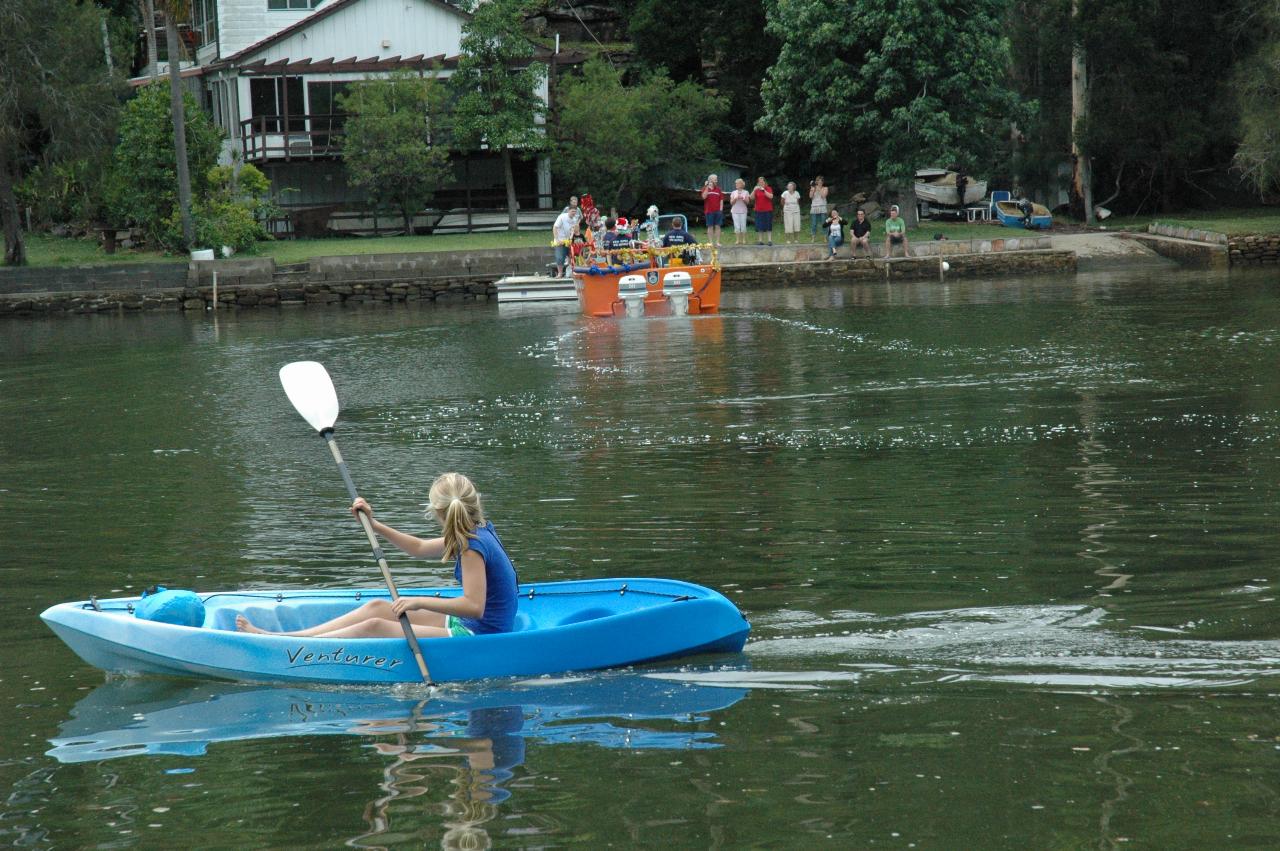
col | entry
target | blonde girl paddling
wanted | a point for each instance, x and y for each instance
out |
(487, 603)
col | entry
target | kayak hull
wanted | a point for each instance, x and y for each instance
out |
(560, 627)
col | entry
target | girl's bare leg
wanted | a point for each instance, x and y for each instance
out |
(372, 610)
(381, 628)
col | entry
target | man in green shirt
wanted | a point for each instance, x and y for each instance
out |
(895, 233)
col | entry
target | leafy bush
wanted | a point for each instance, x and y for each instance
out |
(146, 193)
(233, 213)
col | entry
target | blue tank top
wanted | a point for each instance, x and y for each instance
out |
(500, 583)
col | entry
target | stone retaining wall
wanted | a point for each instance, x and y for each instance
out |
(1248, 250)
(1182, 232)
(899, 269)
(921, 246)
(120, 277)
(1199, 255)
(442, 277)
(1254, 250)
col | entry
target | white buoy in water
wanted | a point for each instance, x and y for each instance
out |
(946, 267)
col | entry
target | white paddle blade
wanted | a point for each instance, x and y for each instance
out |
(310, 389)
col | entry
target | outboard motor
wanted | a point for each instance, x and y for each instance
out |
(677, 287)
(632, 290)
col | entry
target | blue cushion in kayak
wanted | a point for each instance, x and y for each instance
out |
(184, 608)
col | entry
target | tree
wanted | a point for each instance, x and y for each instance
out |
(1161, 96)
(627, 138)
(57, 98)
(172, 10)
(720, 44)
(911, 82)
(1257, 83)
(391, 142)
(495, 89)
(147, 191)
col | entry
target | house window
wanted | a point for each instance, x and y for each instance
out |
(293, 4)
(204, 21)
(326, 116)
(273, 98)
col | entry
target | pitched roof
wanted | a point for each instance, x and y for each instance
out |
(320, 14)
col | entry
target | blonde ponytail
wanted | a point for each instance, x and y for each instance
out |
(456, 503)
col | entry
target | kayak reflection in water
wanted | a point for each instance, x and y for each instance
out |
(492, 745)
(488, 600)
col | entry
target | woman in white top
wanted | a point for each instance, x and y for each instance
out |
(817, 204)
(791, 214)
(738, 200)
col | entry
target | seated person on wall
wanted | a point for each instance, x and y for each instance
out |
(895, 233)
(860, 234)
(679, 236)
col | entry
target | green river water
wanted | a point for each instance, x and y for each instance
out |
(1008, 548)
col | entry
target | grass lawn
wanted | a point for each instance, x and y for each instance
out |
(300, 250)
(44, 250)
(1230, 222)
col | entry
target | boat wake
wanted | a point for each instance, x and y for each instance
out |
(1055, 647)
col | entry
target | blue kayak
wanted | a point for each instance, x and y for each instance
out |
(560, 626)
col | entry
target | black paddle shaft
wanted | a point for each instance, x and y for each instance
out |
(378, 555)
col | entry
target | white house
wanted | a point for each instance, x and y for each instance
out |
(269, 72)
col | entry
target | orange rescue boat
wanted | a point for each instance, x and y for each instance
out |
(649, 281)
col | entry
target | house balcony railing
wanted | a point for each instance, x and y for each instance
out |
(291, 137)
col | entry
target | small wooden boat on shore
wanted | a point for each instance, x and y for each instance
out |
(938, 186)
(1011, 215)
(650, 281)
(560, 626)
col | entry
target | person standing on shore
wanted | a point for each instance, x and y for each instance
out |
(762, 199)
(791, 214)
(713, 208)
(895, 233)
(817, 205)
(738, 201)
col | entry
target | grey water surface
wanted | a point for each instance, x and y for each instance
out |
(1009, 550)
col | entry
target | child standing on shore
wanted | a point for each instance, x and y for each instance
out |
(488, 600)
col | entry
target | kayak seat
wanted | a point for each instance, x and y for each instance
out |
(586, 615)
(523, 623)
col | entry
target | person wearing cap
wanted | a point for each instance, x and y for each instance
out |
(895, 233)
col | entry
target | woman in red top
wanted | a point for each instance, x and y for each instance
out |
(713, 208)
(762, 198)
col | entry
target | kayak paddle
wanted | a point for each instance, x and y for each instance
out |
(310, 389)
